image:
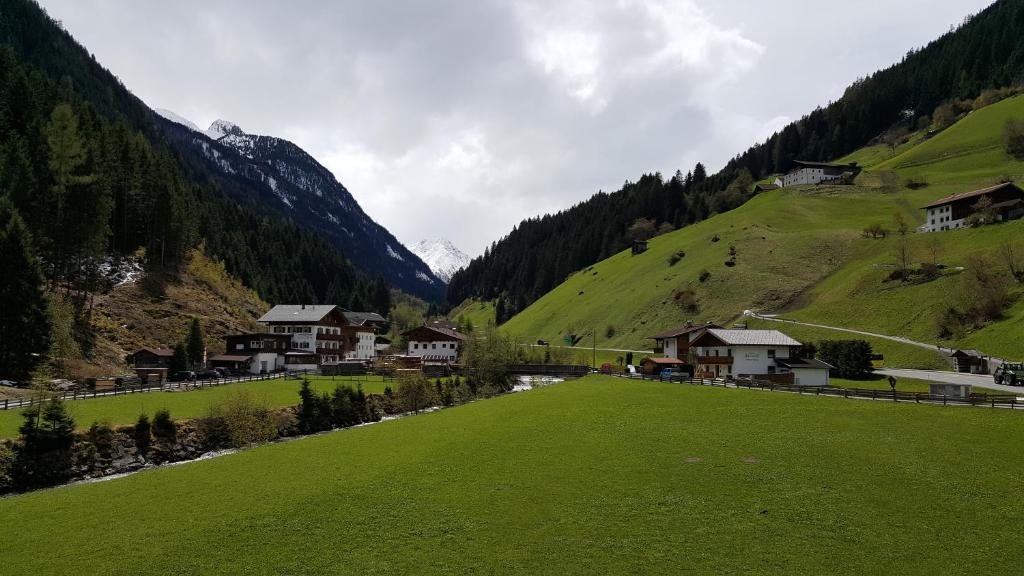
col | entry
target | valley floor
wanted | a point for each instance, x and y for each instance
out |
(596, 476)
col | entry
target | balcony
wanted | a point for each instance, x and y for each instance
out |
(714, 360)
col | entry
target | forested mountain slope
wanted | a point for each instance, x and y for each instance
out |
(538, 254)
(803, 252)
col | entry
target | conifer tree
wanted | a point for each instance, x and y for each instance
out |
(24, 323)
(195, 347)
(44, 456)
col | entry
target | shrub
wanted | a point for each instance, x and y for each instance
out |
(6, 467)
(101, 441)
(143, 434)
(164, 429)
(246, 420)
(715, 238)
(687, 300)
(875, 231)
(415, 392)
(44, 454)
(675, 258)
(1013, 138)
(704, 276)
(609, 331)
(851, 358)
(487, 360)
(916, 183)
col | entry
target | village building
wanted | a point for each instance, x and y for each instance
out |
(759, 188)
(969, 361)
(151, 363)
(952, 212)
(329, 332)
(805, 173)
(434, 343)
(675, 343)
(755, 354)
(654, 365)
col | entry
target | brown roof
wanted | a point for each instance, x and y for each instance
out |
(970, 195)
(685, 329)
(167, 352)
(827, 165)
(441, 330)
(229, 358)
(664, 360)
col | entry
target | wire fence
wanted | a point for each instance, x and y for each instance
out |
(1010, 401)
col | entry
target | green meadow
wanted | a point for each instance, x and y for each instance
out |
(118, 410)
(595, 476)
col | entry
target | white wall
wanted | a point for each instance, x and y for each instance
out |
(805, 176)
(670, 348)
(746, 359)
(273, 361)
(941, 218)
(449, 349)
(810, 376)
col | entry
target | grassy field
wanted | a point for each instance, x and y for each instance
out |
(117, 410)
(596, 476)
(800, 251)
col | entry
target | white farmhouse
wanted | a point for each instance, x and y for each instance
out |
(1006, 201)
(755, 354)
(805, 173)
(434, 343)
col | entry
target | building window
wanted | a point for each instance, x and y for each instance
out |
(771, 353)
(255, 344)
(434, 346)
(239, 346)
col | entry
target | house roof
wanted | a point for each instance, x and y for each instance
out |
(971, 195)
(167, 352)
(297, 313)
(765, 187)
(805, 363)
(441, 330)
(806, 164)
(969, 353)
(230, 358)
(679, 331)
(361, 318)
(672, 361)
(750, 337)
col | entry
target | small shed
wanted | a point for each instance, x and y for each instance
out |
(806, 371)
(656, 365)
(639, 247)
(969, 362)
(234, 362)
(950, 390)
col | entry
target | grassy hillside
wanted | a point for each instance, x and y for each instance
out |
(129, 317)
(800, 251)
(673, 482)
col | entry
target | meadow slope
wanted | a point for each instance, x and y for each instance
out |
(801, 252)
(596, 476)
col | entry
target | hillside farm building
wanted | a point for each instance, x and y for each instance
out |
(434, 343)
(952, 212)
(805, 173)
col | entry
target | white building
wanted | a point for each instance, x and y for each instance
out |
(330, 332)
(755, 354)
(951, 212)
(806, 173)
(434, 343)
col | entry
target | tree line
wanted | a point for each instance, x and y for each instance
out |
(983, 52)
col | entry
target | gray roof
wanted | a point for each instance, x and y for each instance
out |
(360, 318)
(297, 313)
(798, 363)
(753, 337)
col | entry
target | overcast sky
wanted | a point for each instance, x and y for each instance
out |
(459, 118)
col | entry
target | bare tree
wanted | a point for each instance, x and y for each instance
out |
(900, 224)
(1009, 254)
(904, 257)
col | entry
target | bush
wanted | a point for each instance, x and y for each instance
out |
(875, 231)
(246, 421)
(44, 454)
(487, 360)
(715, 238)
(1013, 138)
(6, 467)
(916, 183)
(100, 438)
(687, 300)
(609, 331)
(851, 358)
(164, 429)
(675, 258)
(415, 392)
(704, 276)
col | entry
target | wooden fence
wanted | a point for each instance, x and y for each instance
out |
(990, 400)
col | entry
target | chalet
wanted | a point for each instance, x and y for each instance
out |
(675, 343)
(818, 172)
(151, 363)
(434, 343)
(952, 212)
(254, 353)
(755, 354)
(329, 332)
(759, 188)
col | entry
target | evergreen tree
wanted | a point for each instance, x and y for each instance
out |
(195, 348)
(24, 323)
(67, 158)
(179, 360)
(44, 454)
(307, 408)
(143, 434)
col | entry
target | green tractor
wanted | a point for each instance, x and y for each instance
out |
(1011, 373)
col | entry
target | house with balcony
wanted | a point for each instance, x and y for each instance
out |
(434, 343)
(675, 343)
(151, 364)
(330, 333)
(755, 354)
(1006, 202)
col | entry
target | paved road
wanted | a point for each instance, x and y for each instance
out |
(952, 378)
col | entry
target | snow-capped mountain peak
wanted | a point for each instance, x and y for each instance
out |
(443, 257)
(221, 128)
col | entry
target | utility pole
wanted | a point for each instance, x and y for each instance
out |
(595, 349)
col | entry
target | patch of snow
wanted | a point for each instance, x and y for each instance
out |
(333, 218)
(393, 254)
(177, 119)
(273, 186)
(424, 277)
(221, 128)
(120, 271)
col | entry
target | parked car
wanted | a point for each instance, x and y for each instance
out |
(668, 374)
(184, 376)
(1010, 373)
(224, 372)
(209, 375)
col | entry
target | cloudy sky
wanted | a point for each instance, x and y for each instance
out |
(459, 118)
